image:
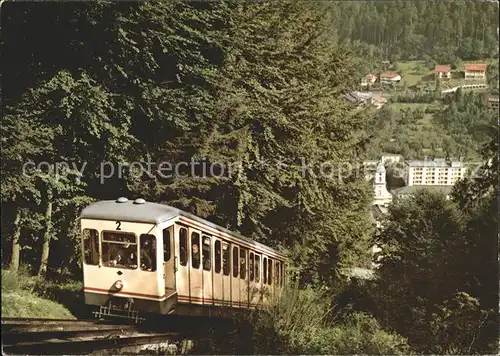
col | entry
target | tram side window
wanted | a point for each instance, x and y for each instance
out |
(250, 267)
(148, 252)
(119, 249)
(195, 250)
(270, 272)
(257, 268)
(225, 259)
(166, 245)
(183, 246)
(282, 277)
(207, 247)
(264, 270)
(235, 261)
(243, 263)
(91, 246)
(218, 259)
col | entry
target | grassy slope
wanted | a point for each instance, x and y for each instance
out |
(18, 299)
(415, 71)
(426, 121)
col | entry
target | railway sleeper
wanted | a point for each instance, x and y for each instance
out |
(17, 336)
(78, 347)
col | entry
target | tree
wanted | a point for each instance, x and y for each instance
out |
(73, 114)
(19, 146)
(273, 99)
(443, 255)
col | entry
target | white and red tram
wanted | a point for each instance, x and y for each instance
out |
(153, 258)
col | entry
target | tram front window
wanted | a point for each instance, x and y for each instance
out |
(148, 252)
(119, 250)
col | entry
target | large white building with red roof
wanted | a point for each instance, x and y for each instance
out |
(475, 71)
(442, 71)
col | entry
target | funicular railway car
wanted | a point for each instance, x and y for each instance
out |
(141, 257)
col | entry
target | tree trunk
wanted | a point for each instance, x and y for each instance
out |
(47, 235)
(14, 261)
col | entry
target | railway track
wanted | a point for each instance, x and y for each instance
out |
(53, 337)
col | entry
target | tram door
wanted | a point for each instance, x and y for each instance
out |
(217, 273)
(169, 260)
(181, 263)
(195, 267)
(207, 265)
(226, 273)
(235, 277)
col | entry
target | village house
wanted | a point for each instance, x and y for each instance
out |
(442, 72)
(390, 77)
(475, 71)
(493, 101)
(378, 100)
(391, 157)
(368, 80)
(365, 99)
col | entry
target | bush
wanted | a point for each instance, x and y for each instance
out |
(360, 333)
(66, 292)
(298, 323)
(292, 324)
(14, 282)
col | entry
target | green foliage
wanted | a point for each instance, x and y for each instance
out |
(276, 95)
(458, 322)
(467, 121)
(438, 281)
(300, 323)
(360, 333)
(19, 300)
(13, 282)
(457, 129)
(409, 30)
(493, 78)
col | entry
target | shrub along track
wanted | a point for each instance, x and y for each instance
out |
(61, 336)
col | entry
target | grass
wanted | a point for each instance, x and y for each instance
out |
(25, 304)
(413, 106)
(414, 72)
(19, 299)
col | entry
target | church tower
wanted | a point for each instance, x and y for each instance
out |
(382, 195)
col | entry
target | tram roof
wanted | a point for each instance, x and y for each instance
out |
(151, 213)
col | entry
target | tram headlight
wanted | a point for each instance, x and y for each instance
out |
(119, 285)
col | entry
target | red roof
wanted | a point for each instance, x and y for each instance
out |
(442, 69)
(476, 67)
(370, 77)
(389, 75)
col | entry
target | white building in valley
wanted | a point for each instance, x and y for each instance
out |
(434, 172)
